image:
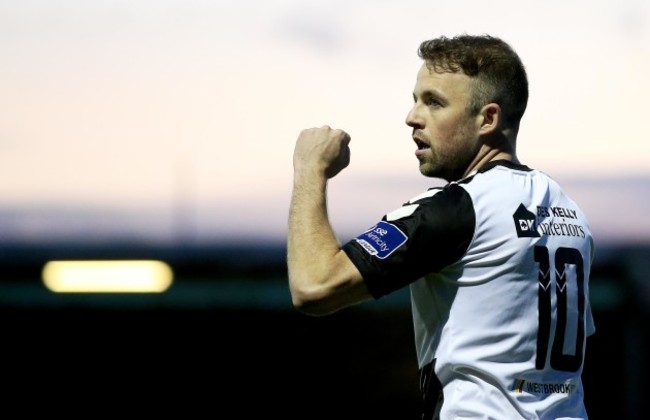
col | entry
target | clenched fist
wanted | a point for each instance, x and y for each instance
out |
(324, 150)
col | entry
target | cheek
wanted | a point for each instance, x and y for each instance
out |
(458, 138)
(449, 129)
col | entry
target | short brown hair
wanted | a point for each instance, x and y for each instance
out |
(499, 73)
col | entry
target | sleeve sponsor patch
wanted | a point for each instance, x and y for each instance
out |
(382, 239)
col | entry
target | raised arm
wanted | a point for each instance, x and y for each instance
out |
(322, 279)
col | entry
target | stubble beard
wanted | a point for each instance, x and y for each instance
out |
(452, 158)
(450, 165)
(450, 168)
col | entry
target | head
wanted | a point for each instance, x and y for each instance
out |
(470, 95)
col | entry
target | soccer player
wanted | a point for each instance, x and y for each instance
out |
(497, 260)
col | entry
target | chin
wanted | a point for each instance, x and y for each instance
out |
(435, 172)
(429, 171)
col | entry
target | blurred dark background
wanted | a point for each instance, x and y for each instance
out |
(224, 341)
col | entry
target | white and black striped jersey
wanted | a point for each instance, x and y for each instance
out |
(498, 266)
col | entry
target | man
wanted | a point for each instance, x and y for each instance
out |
(497, 261)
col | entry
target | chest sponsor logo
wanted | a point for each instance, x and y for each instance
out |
(555, 221)
(382, 239)
(525, 223)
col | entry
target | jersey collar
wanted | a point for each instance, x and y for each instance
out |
(503, 162)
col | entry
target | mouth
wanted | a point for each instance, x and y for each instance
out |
(421, 145)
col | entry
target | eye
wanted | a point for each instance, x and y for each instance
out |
(432, 102)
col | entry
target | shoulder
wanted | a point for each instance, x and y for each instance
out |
(450, 201)
(503, 180)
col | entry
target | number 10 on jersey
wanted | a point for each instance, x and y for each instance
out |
(564, 258)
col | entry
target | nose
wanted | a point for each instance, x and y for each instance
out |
(412, 118)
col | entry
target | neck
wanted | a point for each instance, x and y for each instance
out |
(502, 149)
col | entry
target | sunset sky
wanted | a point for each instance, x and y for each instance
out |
(166, 118)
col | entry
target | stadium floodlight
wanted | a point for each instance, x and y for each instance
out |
(109, 276)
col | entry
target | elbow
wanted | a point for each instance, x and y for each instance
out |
(310, 302)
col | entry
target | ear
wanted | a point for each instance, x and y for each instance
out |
(490, 118)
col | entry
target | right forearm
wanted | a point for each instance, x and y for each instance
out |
(311, 242)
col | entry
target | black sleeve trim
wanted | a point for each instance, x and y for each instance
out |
(438, 234)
